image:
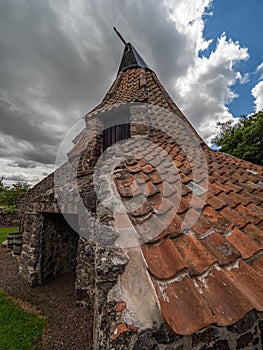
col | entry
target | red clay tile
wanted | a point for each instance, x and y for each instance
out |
(163, 260)
(248, 197)
(200, 226)
(182, 306)
(133, 169)
(257, 263)
(196, 202)
(215, 202)
(175, 226)
(180, 204)
(148, 188)
(217, 221)
(256, 209)
(155, 178)
(220, 248)
(123, 328)
(168, 189)
(149, 228)
(172, 177)
(254, 233)
(120, 306)
(260, 225)
(249, 214)
(165, 206)
(141, 177)
(228, 200)
(211, 214)
(232, 215)
(227, 302)
(215, 189)
(143, 210)
(148, 169)
(238, 198)
(194, 253)
(219, 179)
(243, 243)
(250, 283)
(251, 187)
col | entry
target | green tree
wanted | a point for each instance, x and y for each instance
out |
(2, 184)
(10, 194)
(244, 139)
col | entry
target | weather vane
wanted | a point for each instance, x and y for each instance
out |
(119, 35)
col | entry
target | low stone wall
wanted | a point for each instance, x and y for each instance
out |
(245, 334)
(9, 219)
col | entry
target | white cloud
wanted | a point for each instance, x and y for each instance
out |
(205, 90)
(59, 58)
(257, 93)
(188, 17)
(259, 67)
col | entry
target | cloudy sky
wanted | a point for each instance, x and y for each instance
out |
(59, 57)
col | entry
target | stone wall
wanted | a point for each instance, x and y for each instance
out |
(32, 229)
(9, 219)
(245, 334)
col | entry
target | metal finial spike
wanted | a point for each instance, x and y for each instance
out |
(119, 35)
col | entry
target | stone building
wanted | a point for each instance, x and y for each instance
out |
(165, 234)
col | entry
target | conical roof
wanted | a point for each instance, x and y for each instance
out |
(136, 82)
(131, 58)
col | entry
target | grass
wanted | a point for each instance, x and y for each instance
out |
(19, 330)
(4, 232)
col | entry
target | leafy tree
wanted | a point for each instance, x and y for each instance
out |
(2, 184)
(10, 194)
(244, 139)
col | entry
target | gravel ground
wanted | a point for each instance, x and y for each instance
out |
(69, 327)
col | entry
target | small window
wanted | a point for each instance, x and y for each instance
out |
(116, 127)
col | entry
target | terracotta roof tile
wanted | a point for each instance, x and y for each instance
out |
(182, 306)
(254, 233)
(164, 260)
(220, 248)
(197, 257)
(234, 216)
(250, 214)
(216, 202)
(243, 243)
(239, 198)
(257, 263)
(249, 282)
(227, 303)
(248, 197)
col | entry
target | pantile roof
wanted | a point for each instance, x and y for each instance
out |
(211, 273)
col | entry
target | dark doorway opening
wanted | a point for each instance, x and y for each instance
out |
(59, 246)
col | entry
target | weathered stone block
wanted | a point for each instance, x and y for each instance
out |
(205, 337)
(219, 345)
(245, 324)
(244, 340)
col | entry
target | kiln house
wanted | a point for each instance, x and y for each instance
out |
(182, 268)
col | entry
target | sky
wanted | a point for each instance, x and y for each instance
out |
(58, 58)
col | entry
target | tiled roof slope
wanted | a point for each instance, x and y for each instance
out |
(212, 272)
(138, 85)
